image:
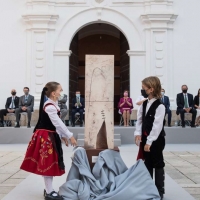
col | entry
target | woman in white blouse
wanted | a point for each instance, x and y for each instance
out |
(44, 154)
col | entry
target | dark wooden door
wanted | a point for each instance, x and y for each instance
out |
(124, 65)
(73, 70)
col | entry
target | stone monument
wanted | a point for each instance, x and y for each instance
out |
(99, 102)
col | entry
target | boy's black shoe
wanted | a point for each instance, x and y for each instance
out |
(53, 196)
(161, 196)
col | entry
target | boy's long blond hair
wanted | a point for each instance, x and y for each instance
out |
(153, 82)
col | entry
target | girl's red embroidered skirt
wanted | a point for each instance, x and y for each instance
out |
(41, 157)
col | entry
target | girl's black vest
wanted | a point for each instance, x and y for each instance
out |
(45, 122)
(148, 119)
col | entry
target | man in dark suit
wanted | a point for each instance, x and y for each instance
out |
(26, 104)
(12, 103)
(78, 105)
(166, 102)
(185, 104)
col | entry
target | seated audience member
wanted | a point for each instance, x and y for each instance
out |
(166, 102)
(63, 107)
(26, 104)
(143, 97)
(11, 104)
(78, 105)
(185, 104)
(197, 107)
(125, 105)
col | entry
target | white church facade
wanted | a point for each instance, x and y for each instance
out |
(47, 40)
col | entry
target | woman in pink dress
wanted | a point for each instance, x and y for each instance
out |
(125, 105)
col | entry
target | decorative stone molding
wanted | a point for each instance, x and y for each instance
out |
(125, 3)
(72, 3)
(159, 20)
(41, 21)
(135, 53)
(88, 16)
(62, 53)
(39, 67)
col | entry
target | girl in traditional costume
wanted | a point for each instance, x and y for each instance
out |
(44, 154)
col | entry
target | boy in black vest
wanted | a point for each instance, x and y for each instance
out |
(150, 134)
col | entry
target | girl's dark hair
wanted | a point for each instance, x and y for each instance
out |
(47, 90)
(51, 87)
(126, 91)
(198, 92)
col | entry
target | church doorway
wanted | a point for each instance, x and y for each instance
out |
(99, 39)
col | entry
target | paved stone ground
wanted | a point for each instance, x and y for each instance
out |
(10, 174)
(183, 167)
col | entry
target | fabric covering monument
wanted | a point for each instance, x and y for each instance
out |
(107, 178)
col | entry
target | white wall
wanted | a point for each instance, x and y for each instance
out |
(187, 45)
(14, 40)
(12, 48)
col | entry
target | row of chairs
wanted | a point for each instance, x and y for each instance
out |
(77, 119)
(177, 123)
(9, 118)
(10, 115)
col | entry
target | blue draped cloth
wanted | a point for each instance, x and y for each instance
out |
(110, 179)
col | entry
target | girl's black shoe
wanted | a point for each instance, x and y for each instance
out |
(52, 196)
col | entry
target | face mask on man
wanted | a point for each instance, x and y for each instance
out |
(184, 91)
(13, 93)
(26, 93)
(77, 95)
(144, 94)
(162, 93)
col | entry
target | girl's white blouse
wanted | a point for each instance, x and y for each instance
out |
(52, 111)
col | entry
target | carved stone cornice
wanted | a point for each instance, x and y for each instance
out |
(40, 21)
(159, 20)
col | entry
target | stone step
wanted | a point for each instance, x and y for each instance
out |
(116, 136)
(117, 139)
(117, 142)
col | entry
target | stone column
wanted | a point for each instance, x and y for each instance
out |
(40, 19)
(61, 70)
(158, 26)
(137, 72)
